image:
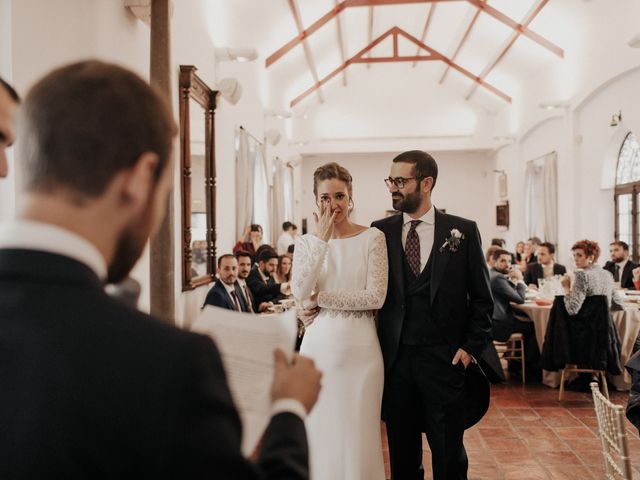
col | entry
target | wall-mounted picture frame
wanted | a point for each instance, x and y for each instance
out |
(502, 215)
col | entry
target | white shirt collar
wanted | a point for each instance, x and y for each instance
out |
(242, 282)
(45, 237)
(229, 288)
(429, 217)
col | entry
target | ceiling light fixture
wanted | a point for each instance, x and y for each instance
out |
(553, 105)
(228, 54)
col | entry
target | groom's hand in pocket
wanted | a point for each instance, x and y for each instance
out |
(299, 380)
(461, 356)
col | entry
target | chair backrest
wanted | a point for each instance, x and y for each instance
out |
(613, 437)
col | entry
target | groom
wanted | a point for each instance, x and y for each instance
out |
(436, 319)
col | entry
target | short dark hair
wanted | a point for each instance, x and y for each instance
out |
(83, 123)
(267, 254)
(499, 252)
(10, 90)
(424, 165)
(286, 226)
(291, 248)
(497, 241)
(489, 255)
(294, 226)
(242, 254)
(549, 246)
(222, 257)
(620, 243)
(255, 228)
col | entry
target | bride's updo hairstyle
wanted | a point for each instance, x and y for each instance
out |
(329, 171)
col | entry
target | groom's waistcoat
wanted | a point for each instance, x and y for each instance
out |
(418, 327)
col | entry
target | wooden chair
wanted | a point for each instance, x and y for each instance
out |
(574, 369)
(513, 349)
(613, 435)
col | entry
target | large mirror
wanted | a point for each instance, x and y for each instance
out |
(198, 168)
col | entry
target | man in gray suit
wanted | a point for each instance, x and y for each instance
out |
(507, 286)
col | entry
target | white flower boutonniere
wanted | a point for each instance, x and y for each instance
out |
(454, 241)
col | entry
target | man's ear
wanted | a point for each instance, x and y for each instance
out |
(140, 179)
(428, 184)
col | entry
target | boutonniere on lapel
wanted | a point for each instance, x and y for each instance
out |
(454, 241)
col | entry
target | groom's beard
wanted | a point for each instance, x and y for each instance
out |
(408, 203)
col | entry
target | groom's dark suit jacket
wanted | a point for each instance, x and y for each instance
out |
(461, 302)
(93, 389)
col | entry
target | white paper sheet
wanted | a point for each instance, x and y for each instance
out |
(246, 343)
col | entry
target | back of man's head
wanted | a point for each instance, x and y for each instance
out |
(85, 122)
(286, 226)
(267, 254)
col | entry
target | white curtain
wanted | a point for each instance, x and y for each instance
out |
(541, 198)
(282, 195)
(261, 191)
(244, 183)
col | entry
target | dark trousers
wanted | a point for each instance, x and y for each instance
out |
(423, 394)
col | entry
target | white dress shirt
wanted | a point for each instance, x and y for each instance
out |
(425, 230)
(44, 237)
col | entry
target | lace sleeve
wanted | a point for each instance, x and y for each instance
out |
(574, 300)
(373, 296)
(308, 255)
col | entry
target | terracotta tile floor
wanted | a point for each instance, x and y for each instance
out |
(528, 434)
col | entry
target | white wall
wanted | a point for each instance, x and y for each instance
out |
(464, 186)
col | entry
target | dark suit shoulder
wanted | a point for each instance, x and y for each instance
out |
(386, 222)
(456, 221)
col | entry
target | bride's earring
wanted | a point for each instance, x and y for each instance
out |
(351, 204)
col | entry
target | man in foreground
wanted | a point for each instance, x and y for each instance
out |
(92, 388)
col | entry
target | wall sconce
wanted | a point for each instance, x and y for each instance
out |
(616, 119)
(272, 136)
(230, 89)
(228, 54)
(502, 183)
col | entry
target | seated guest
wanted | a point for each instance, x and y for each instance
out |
(620, 266)
(531, 253)
(545, 267)
(261, 282)
(489, 255)
(508, 287)
(283, 272)
(591, 279)
(291, 249)
(251, 241)
(245, 263)
(519, 251)
(92, 388)
(226, 293)
(287, 238)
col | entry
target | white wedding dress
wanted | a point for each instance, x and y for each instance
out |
(350, 275)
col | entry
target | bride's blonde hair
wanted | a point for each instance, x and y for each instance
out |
(329, 171)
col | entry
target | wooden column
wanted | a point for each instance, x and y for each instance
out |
(162, 261)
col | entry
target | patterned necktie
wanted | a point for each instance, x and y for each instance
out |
(235, 300)
(248, 298)
(616, 275)
(412, 248)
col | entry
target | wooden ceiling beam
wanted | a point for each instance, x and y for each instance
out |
(293, 5)
(395, 32)
(343, 55)
(480, 4)
(533, 12)
(501, 17)
(427, 23)
(462, 42)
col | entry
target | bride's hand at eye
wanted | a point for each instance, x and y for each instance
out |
(324, 221)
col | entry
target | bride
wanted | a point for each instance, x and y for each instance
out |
(342, 271)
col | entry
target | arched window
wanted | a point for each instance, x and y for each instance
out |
(627, 194)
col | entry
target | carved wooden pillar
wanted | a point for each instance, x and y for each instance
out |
(162, 269)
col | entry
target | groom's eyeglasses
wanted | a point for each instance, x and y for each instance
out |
(399, 182)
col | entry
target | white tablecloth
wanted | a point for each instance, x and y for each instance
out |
(627, 322)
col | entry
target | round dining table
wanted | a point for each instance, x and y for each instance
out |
(627, 323)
